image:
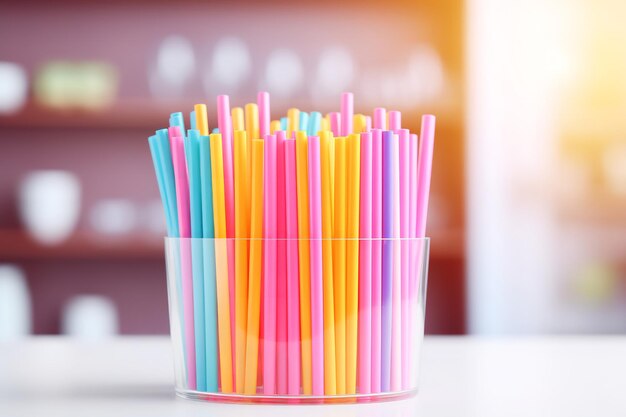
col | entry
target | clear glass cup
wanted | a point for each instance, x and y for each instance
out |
(297, 320)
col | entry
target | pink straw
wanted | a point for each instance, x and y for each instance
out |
(413, 158)
(226, 129)
(263, 103)
(404, 156)
(335, 123)
(377, 233)
(368, 123)
(424, 168)
(317, 295)
(347, 113)
(395, 120)
(365, 266)
(182, 200)
(380, 118)
(413, 187)
(174, 131)
(396, 311)
(281, 262)
(293, 290)
(269, 276)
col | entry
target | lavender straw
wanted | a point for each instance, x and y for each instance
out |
(387, 263)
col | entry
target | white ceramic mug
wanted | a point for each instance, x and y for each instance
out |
(90, 317)
(15, 304)
(13, 87)
(49, 204)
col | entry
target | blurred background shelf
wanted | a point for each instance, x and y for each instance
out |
(128, 114)
(18, 246)
(149, 114)
(414, 62)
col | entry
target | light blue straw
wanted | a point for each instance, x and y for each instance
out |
(210, 289)
(192, 119)
(167, 168)
(162, 158)
(315, 123)
(177, 119)
(304, 122)
(156, 160)
(195, 208)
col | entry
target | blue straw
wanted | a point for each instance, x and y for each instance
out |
(192, 119)
(162, 158)
(195, 193)
(195, 209)
(284, 122)
(165, 155)
(210, 289)
(315, 123)
(215, 130)
(158, 169)
(304, 122)
(177, 119)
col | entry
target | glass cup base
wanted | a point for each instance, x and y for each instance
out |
(292, 399)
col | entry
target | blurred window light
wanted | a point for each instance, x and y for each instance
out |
(614, 163)
(546, 166)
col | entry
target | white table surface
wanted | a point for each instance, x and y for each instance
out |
(461, 376)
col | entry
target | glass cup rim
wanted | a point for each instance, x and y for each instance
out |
(264, 239)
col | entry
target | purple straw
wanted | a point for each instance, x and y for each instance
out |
(387, 263)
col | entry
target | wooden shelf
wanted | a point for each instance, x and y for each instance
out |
(152, 114)
(130, 114)
(17, 245)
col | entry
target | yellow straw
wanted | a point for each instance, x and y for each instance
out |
(330, 372)
(237, 115)
(254, 279)
(274, 126)
(252, 131)
(331, 146)
(242, 232)
(358, 124)
(339, 261)
(202, 123)
(221, 261)
(293, 121)
(352, 250)
(304, 260)
(325, 124)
